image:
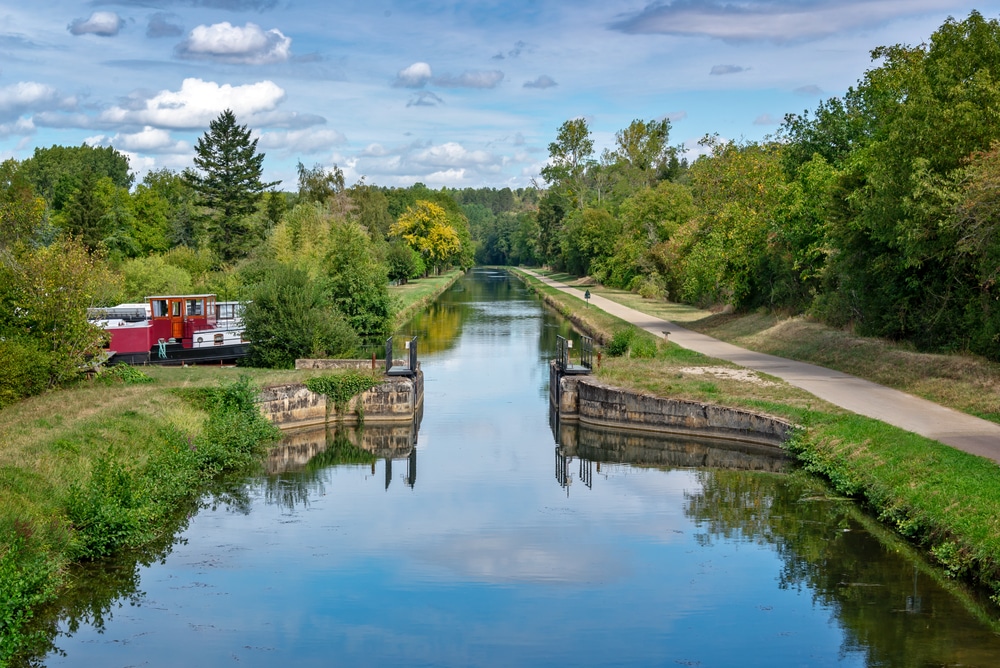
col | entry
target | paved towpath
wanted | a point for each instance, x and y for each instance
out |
(959, 430)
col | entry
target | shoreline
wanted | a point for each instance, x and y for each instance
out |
(944, 502)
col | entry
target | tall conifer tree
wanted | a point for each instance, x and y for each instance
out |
(229, 185)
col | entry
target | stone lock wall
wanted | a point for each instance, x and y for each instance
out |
(293, 406)
(584, 399)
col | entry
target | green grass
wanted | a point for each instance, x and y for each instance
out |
(419, 293)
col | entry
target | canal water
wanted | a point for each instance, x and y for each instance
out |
(503, 539)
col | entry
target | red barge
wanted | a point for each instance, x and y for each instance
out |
(173, 329)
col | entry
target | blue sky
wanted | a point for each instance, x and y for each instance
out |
(447, 93)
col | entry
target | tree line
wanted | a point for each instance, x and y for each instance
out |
(878, 210)
(313, 266)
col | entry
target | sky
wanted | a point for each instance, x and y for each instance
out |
(457, 94)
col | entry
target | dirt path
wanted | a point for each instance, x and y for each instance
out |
(961, 431)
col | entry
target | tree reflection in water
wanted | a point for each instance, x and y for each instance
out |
(892, 606)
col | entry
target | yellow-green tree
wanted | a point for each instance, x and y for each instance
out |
(425, 227)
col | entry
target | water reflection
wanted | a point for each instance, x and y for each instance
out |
(296, 466)
(596, 446)
(488, 301)
(339, 556)
(892, 606)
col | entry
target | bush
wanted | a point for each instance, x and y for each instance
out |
(631, 342)
(236, 432)
(24, 370)
(288, 318)
(27, 578)
(643, 347)
(620, 343)
(124, 374)
(107, 511)
(341, 387)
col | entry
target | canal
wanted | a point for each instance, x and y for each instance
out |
(502, 539)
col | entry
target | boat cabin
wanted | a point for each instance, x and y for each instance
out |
(179, 317)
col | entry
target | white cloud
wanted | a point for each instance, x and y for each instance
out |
(150, 140)
(448, 177)
(675, 116)
(30, 95)
(247, 45)
(809, 90)
(414, 76)
(104, 24)
(766, 119)
(544, 81)
(307, 141)
(452, 154)
(197, 103)
(775, 20)
(471, 79)
(449, 163)
(20, 127)
(374, 150)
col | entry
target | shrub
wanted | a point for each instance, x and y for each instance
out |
(107, 511)
(643, 347)
(124, 374)
(289, 318)
(620, 343)
(24, 369)
(236, 432)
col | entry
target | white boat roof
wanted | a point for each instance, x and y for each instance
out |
(179, 296)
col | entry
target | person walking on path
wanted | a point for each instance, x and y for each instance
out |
(959, 430)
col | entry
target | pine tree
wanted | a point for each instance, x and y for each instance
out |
(230, 186)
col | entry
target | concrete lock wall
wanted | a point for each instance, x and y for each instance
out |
(585, 399)
(294, 406)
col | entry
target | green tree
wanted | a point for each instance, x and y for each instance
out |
(928, 108)
(83, 216)
(172, 194)
(229, 185)
(371, 209)
(45, 295)
(403, 262)
(21, 210)
(55, 172)
(153, 276)
(643, 152)
(319, 184)
(570, 156)
(357, 284)
(288, 317)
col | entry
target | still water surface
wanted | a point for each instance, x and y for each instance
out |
(492, 544)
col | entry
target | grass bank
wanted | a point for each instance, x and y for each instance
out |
(106, 469)
(964, 382)
(943, 501)
(420, 293)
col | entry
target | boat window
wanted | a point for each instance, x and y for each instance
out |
(159, 308)
(195, 307)
(226, 311)
(219, 339)
(175, 308)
